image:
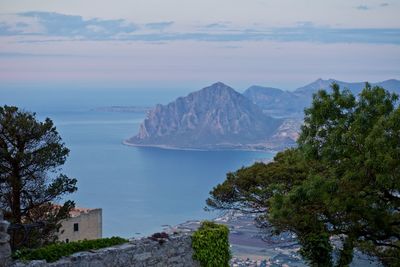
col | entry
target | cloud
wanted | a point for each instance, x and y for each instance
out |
(55, 27)
(159, 25)
(217, 25)
(55, 24)
(5, 29)
(365, 7)
(290, 34)
(21, 24)
(305, 24)
(32, 55)
(362, 7)
(231, 46)
(295, 34)
(338, 35)
(10, 29)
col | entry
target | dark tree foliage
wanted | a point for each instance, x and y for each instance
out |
(31, 153)
(343, 180)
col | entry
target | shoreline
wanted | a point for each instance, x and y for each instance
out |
(168, 147)
(249, 245)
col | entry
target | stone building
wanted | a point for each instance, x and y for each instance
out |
(83, 224)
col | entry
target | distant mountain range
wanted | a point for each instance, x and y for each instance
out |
(218, 117)
(280, 103)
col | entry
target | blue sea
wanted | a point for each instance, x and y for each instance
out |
(139, 189)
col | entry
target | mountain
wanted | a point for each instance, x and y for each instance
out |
(356, 87)
(275, 102)
(279, 103)
(392, 85)
(216, 117)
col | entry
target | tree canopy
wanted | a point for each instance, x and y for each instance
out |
(31, 153)
(341, 182)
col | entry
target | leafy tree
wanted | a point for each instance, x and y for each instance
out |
(31, 153)
(343, 180)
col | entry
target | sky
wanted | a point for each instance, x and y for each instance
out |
(193, 43)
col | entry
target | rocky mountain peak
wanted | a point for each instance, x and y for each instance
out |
(214, 117)
(216, 90)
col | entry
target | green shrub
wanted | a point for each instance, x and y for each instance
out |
(211, 245)
(54, 252)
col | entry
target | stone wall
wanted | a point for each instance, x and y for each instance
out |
(174, 252)
(5, 251)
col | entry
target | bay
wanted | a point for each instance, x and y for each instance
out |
(139, 189)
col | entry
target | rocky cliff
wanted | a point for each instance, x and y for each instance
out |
(216, 117)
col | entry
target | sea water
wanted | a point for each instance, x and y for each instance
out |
(139, 189)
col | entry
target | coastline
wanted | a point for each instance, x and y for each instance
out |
(169, 147)
(250, 245)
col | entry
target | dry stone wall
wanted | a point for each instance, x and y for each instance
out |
(175, 252)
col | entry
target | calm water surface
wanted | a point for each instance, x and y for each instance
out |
(139, 189)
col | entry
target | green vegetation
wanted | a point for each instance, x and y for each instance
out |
(342, 181)
(54, 252)
(31, 153)
(211, 245)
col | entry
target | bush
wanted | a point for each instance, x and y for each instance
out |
(211, 245)
(54, 252)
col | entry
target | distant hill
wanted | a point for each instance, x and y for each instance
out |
(356, 87)
(275, 102)
(279, 103)
(216, 117)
